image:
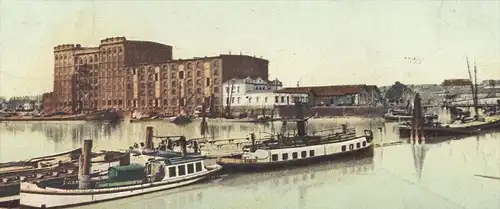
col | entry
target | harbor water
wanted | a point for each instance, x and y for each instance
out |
(448, 174)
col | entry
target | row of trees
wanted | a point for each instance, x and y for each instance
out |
(398, 93)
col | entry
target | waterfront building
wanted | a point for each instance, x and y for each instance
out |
(128, 74)
(339, 95)
(185, 84)
(490, 87)
(490, 84)
(258, 93)
(28, 106)
(94, 77)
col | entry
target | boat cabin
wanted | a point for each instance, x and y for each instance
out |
(183, 169)
(127, 172)
(306, 152)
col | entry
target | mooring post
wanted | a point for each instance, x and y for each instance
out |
(203, 124)
(252, 137)
(85, 159)
(413, 124)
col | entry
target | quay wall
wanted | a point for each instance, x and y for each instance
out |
(336, 111)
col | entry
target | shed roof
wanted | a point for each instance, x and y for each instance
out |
(456, 82)
(333, 90)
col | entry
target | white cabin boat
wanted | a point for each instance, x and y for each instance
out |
(146, 170)
(160, 174)
(271, 157)
(299, 148)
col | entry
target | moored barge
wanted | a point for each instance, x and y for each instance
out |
(51, 168)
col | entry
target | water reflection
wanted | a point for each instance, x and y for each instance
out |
(404, 176)
(58, 132)
(309, 176)
(176, 198)
(419, 151)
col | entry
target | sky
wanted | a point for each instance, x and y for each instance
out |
(310, 42)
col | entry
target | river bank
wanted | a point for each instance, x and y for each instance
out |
(50, 118)
(284, 112)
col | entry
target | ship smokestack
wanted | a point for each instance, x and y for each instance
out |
(344, 128)
(125, 159)
(182, 143)
(85, 165)
(301, 124)
(196, 146)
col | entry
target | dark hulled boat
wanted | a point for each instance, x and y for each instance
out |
(460, 128)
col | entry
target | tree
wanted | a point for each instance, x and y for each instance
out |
(397, 92)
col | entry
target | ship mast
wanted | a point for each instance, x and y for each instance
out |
(475, 92)
(473, 86)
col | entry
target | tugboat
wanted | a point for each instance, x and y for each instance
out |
(300, 148)
(406, 114)
(397, 116)
(52, 168)
(146, 170)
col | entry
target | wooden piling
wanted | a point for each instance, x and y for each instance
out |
(149, 137)
(203, 124)
(85, 159)
(417, 126)
(252, 137)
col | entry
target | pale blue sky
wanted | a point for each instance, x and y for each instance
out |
(319, 43)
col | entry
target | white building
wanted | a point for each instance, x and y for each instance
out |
(28, 106)
(257, 93)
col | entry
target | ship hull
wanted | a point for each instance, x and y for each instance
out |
(405, 130)
(397, 118)
(254, 167)
(34, 197)
(9, 195)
